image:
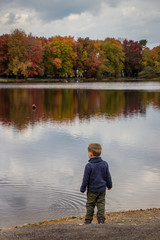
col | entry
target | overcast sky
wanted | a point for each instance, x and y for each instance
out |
(96, 19)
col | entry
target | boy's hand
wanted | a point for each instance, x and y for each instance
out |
(82, 190)
(109, 188)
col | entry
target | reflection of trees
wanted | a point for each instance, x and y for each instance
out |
(64, 105)
(134, 103)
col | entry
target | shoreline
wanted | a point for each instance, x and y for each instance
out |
(129, 217)
(133, 224)
(77, 80)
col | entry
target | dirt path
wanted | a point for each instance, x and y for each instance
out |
(119, 225)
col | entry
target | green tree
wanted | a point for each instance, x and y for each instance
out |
(143, 43)
(114, 55)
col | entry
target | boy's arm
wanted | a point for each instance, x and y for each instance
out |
(108, 179)
(85, 178)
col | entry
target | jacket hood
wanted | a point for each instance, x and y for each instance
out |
(95, 160)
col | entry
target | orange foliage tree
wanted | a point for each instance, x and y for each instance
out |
(4, 61)
(17, 52)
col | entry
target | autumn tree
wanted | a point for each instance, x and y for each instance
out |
(34, 56)
(81, 55)
(156, 54)
(156, 58)
(92, 62)
(150, 63)
(88, 57)
(133, 56)
(17, 52)
(4, 61)
(114, 55)
(61, 55)
(147, 58)
(22, 55)
(51, 64)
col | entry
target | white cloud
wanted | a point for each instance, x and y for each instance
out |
(127, 19)
(150, 176)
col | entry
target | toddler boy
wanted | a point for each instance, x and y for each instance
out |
(96, 178)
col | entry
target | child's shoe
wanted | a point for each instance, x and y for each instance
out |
(87, 221)
(101, 221)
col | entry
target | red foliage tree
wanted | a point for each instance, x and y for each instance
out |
(133, 56)
(88, 58)
(91, 63)
(34, 56)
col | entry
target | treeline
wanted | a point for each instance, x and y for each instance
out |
(23, 56)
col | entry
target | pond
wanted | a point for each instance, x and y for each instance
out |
(44, 150)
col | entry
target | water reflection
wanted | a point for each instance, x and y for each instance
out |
(64, 105)
(43, 152)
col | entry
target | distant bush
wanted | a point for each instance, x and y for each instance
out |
(148, 72)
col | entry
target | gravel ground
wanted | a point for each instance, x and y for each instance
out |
(121, 225)
(93, 231)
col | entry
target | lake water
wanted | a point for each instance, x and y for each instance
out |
(43, 152)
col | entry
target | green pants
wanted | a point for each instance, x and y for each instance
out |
(95, 199)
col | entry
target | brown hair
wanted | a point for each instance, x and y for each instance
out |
(95, 149)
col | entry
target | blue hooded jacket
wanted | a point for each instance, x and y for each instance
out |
(96, 176)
